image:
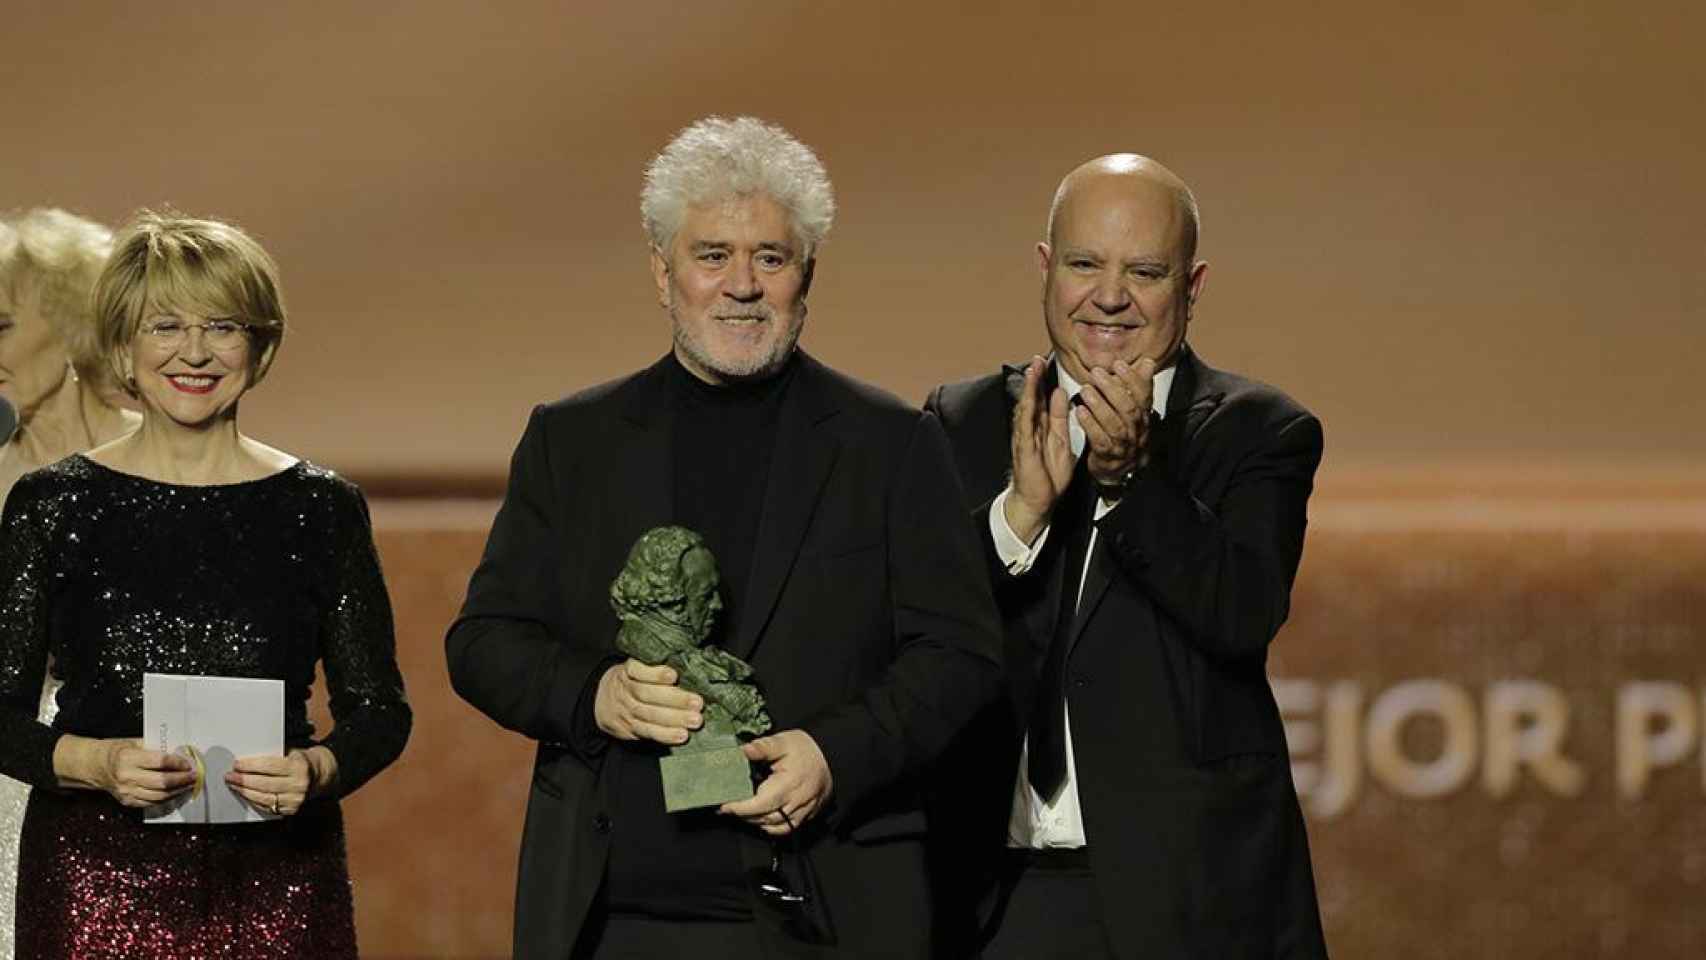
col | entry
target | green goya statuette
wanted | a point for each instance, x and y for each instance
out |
(666, 597)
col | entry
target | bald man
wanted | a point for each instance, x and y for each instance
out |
(1142, 516)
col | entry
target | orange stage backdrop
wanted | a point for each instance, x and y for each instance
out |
(1451, 229)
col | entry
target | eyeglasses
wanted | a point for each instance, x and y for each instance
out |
(797, 905)
(220, 335)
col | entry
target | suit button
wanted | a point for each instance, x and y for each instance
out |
(1080, 680)
(601, 823)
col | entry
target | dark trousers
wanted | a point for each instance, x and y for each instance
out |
(1046, 908)
(627, 936)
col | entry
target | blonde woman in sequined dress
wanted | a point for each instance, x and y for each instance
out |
(52, 374)
(187, 547)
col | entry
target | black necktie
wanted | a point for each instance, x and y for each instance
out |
(1073, 518)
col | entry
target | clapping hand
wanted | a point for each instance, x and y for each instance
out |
(1042, 454)
(1115, 415)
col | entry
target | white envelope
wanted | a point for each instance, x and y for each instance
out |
(213, 720)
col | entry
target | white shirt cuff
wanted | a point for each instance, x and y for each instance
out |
(1013, 552)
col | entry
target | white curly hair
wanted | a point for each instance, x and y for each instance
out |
(716, 158)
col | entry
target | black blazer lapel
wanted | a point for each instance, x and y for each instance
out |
(1015, 378)
(641, 494)
(799, 468)
(1196, 395)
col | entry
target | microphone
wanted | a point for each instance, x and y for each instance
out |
(8, 420)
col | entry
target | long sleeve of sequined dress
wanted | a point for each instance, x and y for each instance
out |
(357, 636)
(26, 537)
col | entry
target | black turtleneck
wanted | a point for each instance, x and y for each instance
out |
(686, 866)
(724, 436)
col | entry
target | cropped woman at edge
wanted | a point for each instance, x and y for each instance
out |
(54, 377)
(187, 547)
(50, 370)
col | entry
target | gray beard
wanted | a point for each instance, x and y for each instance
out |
(761, 369)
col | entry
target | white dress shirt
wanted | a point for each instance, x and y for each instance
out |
(1039, 822)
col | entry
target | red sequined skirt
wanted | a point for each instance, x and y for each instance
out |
(95, 882)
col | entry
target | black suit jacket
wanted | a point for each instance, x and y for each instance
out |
(871, 626)
(1196, 838)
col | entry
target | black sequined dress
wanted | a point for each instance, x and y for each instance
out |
(116, 576)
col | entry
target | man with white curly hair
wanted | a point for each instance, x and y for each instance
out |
(849, 581)
(747, 176)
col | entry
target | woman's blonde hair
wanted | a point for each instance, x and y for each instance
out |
(57, 256)
(165, 262)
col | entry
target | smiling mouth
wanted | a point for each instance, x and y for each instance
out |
(1106, 329)
(747, 320)
(189, 383)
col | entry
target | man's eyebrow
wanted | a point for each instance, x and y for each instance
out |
(778, 246)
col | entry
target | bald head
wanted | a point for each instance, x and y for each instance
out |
(1131, 180)
(1120, 274)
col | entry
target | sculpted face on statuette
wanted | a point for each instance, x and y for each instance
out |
(666, 597)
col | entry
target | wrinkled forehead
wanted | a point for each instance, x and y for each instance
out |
(753, 218)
